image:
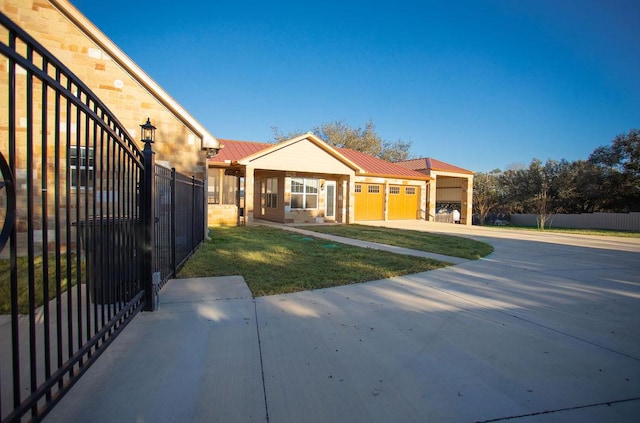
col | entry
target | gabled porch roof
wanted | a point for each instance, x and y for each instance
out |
(242, 153)
(309, 137)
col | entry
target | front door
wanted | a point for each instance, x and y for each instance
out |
(330, 200)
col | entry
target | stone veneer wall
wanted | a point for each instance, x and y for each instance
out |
(176, 145)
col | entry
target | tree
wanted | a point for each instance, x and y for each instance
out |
(533, 190)
(279, 136)
(609, 181)
(581, 189)
(620, 163)
(397, 151)
(366, 140)
(486, 193)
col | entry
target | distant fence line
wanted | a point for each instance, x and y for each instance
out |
(613, 221)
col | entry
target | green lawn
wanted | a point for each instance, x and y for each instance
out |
(23, 281)
(597, 232)
(417, 240)
(274, 261)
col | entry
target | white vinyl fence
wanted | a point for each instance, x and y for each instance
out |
(614, 221)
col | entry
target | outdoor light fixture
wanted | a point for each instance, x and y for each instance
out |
(148, 133)
(211, 146)
(212, 152)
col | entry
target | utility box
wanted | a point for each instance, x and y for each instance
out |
(110, 246)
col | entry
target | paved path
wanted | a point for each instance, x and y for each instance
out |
(545, 329)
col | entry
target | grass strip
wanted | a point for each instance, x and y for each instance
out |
(573, 231)
(416, 240)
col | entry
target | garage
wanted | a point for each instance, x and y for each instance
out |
(404, 202)
(369, 201)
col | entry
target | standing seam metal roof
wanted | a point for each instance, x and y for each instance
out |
(428, 163)
(376, 166)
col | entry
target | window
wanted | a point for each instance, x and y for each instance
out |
(394, 190)
(81, 167)
(304, 193)
(373, 189)
(358, 188)
(271, 195)
(410, 190)
(223, 189)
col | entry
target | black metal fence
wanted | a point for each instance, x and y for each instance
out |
(178, 230)
(190, 221)
(78, 244)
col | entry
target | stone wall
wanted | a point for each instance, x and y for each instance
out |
(104, 69)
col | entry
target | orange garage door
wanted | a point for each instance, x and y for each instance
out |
(403, 202)
(369, 201)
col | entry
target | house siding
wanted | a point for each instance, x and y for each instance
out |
(308, 156)
(302, 156)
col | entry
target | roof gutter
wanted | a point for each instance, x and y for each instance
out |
(424, 178)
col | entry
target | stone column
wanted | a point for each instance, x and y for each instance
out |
(431, 206)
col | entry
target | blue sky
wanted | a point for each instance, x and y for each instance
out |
(479, 84)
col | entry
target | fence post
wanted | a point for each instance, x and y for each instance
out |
(174, 263)
(193, 212)
(147, 216)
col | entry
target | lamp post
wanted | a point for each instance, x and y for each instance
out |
(147, 214)
(147, 134)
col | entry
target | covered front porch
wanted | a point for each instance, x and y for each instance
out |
(302, 180)
(300, 197)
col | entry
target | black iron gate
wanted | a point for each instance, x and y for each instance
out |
(80, 239)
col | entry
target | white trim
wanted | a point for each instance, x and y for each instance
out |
(326, 199)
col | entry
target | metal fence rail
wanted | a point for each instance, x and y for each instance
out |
(178, 230)
(77, 241)
(189, 221)
(164, 223)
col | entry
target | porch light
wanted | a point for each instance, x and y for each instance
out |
(148, 132)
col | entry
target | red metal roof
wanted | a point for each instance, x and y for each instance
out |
(428, 163)
(373, 165)
(414, 164)
(235, 150)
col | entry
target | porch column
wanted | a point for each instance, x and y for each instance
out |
(248, 194)
(431, 206)
(385, 202)
(424, 189)
(467, 203)
(347, 201)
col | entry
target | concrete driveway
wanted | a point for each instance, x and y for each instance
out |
(547, 328)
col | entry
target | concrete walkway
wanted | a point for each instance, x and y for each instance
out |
(545, 329)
